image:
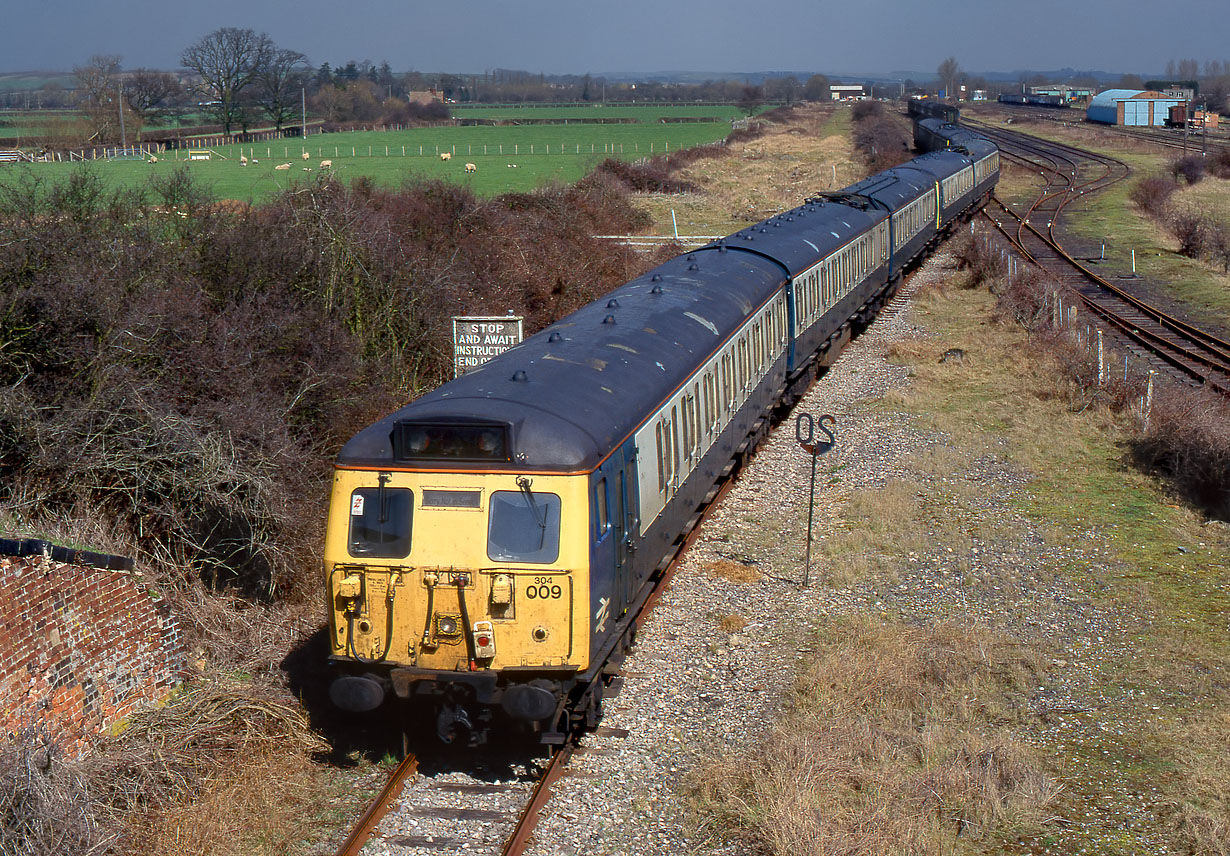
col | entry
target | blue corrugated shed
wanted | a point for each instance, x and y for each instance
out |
(1130, 107)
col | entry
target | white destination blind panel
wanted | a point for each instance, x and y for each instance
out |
(476, 340)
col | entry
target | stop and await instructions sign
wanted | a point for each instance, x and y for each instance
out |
(477, 339)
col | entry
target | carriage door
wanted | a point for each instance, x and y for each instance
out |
(626, 524)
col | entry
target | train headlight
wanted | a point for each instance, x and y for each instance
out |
(484, 640)
(448, 625)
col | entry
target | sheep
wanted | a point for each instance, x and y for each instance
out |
(446, 156)
(307, 169)
(153, 159)
(326, 164)
(306, 156)
(282, 166)
(243, 160)
(471, 168)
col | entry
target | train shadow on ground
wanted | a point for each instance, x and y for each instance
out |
(378, 736)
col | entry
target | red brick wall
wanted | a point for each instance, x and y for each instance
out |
(80, 649)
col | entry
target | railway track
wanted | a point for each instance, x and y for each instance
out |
(1173, 345)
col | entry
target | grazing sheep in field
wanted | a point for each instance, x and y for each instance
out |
(326, 164)
(282, 166)
(243, 160)
(446, 156)
(306, 156)
(471, 168)
(307, 169)
(153, 159)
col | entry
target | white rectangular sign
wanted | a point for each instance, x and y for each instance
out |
(478, 339)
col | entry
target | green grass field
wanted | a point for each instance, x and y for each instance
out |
(542, 153)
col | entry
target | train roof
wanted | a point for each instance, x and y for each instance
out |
(570, 394)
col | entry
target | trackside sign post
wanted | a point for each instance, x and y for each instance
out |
(477, 339)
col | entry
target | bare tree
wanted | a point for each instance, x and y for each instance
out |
(949, 71)
(751, 99)
(151, 95)
(228, 61)
(98, 87)
(816, 88)
(276, 81)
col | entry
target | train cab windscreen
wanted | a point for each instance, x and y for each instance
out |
(523, 527)
(380, 522)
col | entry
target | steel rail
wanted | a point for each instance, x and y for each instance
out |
(379, 807)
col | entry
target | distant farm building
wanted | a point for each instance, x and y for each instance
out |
(844, 92)
(1131, 107)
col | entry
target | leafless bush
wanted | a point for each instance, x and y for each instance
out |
(1193, 231)
(982, 256)
(648, 176)
(880, 139)
(1187, 438)
(1152, 194)
(1190, 168)
(46, 805)
(1219, 163)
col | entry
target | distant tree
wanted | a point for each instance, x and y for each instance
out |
(151, 95)
(816, 88)
(228, 61)
(278, 84)
(347, 73)
(98, 95)
(324, 74)
(1188, 69)
(1131, 81)
(949, 71)
(751, 99)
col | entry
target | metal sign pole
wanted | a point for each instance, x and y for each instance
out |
(805, 433)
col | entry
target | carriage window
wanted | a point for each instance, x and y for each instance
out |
(657, 430)
(602, 521)
(687, 432)
(523, 527)
(674, 444)
(380, 522)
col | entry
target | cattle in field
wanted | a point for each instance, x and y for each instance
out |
(471, 168)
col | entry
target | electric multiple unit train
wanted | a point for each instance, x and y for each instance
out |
(489, 545)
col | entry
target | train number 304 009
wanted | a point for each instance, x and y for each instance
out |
(543, 589)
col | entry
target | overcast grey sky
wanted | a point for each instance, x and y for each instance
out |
(554, 36)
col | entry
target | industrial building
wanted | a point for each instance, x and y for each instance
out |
(1131, 107)
(841, 92)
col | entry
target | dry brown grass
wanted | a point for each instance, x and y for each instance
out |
(731, 623)
(778, 170)
(1202, 817)
(878, 527)
(736, 572)
(895, 743)
(254, 804)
